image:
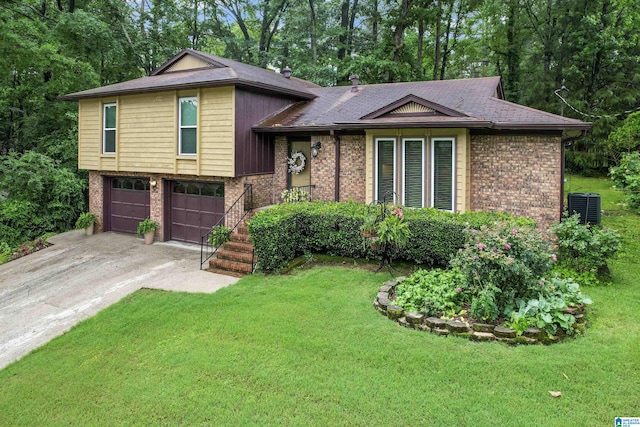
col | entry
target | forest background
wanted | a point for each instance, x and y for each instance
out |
(586, 51)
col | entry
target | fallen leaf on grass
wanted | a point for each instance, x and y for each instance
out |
(565, 375)
(555, 393)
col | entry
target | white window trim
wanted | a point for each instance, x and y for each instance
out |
(105, 128)
(453, 172)
(404, 163)
(375, 174)
(180, 127)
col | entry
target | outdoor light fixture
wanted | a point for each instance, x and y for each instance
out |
(153, 183)
(315, 148)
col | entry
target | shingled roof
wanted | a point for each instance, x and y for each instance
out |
(218, 72)
(468, 103)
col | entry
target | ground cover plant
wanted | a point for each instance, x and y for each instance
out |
(308, 349)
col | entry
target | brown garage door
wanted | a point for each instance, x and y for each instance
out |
(195, 208)
(127, 203)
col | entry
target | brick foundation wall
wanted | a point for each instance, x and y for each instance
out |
(517, 174)
(96, 197)
(263, 190)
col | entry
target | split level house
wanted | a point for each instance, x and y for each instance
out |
(181, 145)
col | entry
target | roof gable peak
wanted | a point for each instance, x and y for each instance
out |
(187, 59)
(412, 105)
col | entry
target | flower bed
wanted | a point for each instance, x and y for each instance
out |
(474, 330)
(29, 248)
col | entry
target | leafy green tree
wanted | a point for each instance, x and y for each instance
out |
(39, 196)
(626, 138)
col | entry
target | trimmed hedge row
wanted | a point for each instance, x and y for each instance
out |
(283, 232)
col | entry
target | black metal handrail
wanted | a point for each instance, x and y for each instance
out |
(235, 214)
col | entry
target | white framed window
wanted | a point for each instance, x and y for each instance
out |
(109, 128)
(385, 177)
(188, 121)
(413, 178)
(443, 160)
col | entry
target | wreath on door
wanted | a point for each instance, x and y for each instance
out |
(296, 162)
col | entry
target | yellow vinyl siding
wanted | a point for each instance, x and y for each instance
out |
(462, 195)
(188, 62)
(147, 134)
(217, 131)
(89, 134)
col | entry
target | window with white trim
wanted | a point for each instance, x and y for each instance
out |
(413, 172)
(109, 128)
(421, 171)
(385, 169)
(443, 173)
(188, 120)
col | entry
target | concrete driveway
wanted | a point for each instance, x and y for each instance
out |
(44, 294)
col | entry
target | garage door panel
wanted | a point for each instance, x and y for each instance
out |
(212, 204)
(178, 216)
(129, 203)
(193, 218)
(195, 208)
(208, 220)
(193, 202)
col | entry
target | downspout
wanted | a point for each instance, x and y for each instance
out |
(336, 140)
(566, 142)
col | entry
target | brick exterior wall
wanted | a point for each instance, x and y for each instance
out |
(353, 168)
(280, 168)
(520, 175)
(323, 170)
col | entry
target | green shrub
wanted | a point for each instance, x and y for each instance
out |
(286, 231)
(501, 263)
(436, 235)
(219, 236)
(626, 177)
(585, 278)
(584, 248)
(295, 195)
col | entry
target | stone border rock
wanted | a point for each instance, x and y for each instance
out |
(475, 331)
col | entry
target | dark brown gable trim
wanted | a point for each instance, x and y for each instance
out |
(412, 98)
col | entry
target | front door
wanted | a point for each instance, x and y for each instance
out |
(302, 178)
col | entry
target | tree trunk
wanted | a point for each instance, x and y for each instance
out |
(436, 53)
(314, 35)
(401, 25)
(420, 48)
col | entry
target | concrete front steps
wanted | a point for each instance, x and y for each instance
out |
(235, 257)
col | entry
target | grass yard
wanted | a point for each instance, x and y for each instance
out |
(308, 349)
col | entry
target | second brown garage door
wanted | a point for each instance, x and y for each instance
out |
(195, 207)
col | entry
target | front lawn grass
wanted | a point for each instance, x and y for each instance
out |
(308, 349)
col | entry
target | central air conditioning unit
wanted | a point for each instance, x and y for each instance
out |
(587, 205)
